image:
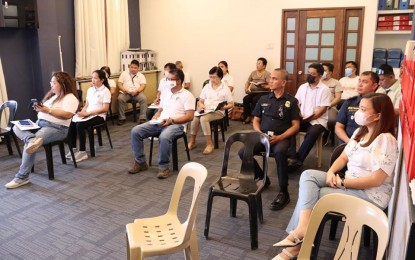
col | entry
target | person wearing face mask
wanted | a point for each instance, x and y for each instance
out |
(151, 111)
(370, 157)
(349, 82)
(214, 93)
(314, 99)
(345, 120)
(176, 108)
(390, 85)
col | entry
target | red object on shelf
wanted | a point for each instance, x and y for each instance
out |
(382, 18)
(385, 28)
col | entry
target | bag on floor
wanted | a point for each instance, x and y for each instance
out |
(237, 112)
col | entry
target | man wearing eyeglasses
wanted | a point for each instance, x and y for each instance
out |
(278, 115)
(176, 108)
(314, 97)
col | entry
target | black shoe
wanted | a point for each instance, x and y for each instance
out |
(282, 199)
(294, 162)
(121, 122)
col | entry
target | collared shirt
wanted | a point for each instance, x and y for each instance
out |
(69, 103)
(277, 113)
(346, 114)
(334, 86)
(97, 97)
(349, 87)
(212, 97)
(176, 104)
(394, 92)
(312, 99)
(131, 81)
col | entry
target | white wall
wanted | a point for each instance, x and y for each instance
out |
(201, 33)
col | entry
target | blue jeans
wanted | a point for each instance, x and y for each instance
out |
(312, 187)
(49, 132)
(166, 136)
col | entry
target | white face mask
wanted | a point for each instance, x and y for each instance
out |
(348, 72)
(361, 119)
(170, 83)
(324, 75)
(166, 73)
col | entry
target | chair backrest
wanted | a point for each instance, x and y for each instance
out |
(336, 153)
(12, 105)
(199, 173)
(358, 212)
(249, 139)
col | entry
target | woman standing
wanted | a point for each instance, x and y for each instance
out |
(370, 156)
(98, 99)
(54, 118)
(214, 93)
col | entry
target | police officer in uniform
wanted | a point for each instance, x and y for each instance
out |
(278, 115)
(345, 125)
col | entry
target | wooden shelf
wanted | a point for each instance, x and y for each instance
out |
(406, 11)
(393, 32)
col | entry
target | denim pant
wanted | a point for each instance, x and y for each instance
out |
(166, 136)
(49, 132)
(312, 187)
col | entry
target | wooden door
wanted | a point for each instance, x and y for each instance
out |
(310, 36)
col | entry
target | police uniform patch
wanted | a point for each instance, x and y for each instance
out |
(287, 104)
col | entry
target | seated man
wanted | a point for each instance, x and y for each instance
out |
(186, 82)
(345, 125)
(349, 82)
(278, 115)
(131, 84)
(314, 98)
(390, 85)
(255, 87)
(177, 107)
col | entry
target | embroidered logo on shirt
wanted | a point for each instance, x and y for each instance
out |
(287, 104)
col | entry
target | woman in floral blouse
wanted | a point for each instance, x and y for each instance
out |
(370, 156)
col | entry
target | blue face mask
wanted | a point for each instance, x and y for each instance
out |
(348, 72)
(324, 75)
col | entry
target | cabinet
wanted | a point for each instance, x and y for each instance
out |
(150, 90)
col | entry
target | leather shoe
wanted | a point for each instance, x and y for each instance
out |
(294, 162)
(137, 167)
(282, 199)
(121, 122)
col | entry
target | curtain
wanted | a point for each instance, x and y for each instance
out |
(90, 42)
(3, 97)
(118, 35)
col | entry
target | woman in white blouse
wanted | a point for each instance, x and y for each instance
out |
(227, 78)
(214, 93)
(370, 156)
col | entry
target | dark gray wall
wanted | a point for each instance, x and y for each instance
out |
(134, 17)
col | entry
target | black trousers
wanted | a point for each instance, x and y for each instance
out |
(310, 138)
(249, 102)
(79, 129)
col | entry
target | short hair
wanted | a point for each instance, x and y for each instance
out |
(216, 70)
(373, 76)
(135, 62)
(284, 73)
(107, 70)
(329, 65)
(170, 65)
(354, 64)
(386, 69)
(178, 73)
(264, 61)
(318, 67)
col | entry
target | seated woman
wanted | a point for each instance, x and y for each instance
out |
(111, 82)
(255, 87)
(54, 117)
(98, 99)
(227, 78)
(214, 93)
(370, 156)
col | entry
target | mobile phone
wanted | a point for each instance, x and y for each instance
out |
(35, 102)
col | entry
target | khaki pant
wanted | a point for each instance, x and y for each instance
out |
(140, 98)
(204, 122)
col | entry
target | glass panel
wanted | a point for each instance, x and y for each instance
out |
(353, 23)
(10, 11)
(351, 54)
(11, 23)
(290, 38)
(313, 24)
(290, 53)
(306, 67)
(312, 39)
(290, 23)
(351, 39)
(326, 53)
(329, 23)
(327, 39)
(311, 53)
(289, 66)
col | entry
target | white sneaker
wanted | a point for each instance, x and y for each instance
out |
(81, 156)
(16, 182)
(68, 155)
(34, 144)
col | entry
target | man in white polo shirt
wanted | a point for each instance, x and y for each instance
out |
(177, 107)
(390, 85)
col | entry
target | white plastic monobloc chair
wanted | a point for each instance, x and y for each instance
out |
(166, 234)
(358, 212)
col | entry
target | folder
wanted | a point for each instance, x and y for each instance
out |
(389, 4)
(403, 4)
(382, 5)
(411, 4)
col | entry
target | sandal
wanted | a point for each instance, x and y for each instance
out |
(285, 252)
(289, 243)
(192, 146)
(209, 149)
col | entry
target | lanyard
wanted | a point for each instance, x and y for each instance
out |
(132, 78)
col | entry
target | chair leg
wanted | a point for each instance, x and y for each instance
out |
(253, 223)
(233, 205)
(208, 212)
(186, 145)
(259, 206)
(62, 152)
(151, 151)
(8, 144)
(215, 134)
(223, 130)
(99, 135)
(49, 161)
(91, 141)
(108, 135)
(112, 117)
(194, 247)
(72, 154)
(134, 103)
(174, 155)
(17, 145)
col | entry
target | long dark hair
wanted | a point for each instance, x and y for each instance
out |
(102, 76)
(67, 84)
(382, 104)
